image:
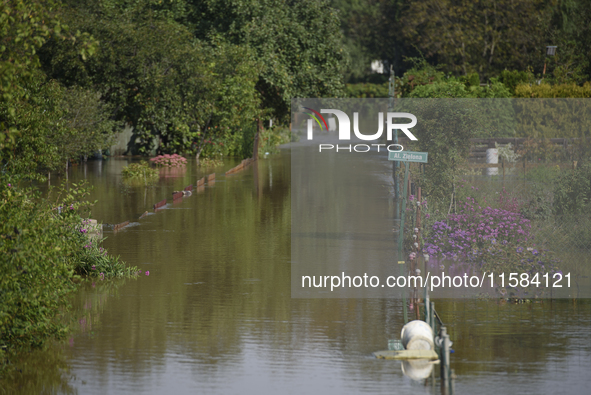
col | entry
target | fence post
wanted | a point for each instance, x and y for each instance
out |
(444, 346)
(428, 310)
(433, 317)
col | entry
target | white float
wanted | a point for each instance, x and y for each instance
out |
(417, 335)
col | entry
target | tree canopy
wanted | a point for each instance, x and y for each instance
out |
(299, 45)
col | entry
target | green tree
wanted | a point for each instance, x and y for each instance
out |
(485, 37)
(299, 45)
(445, 130)
(173, 89)
(24, 27)
(89, 120)
(39, 122)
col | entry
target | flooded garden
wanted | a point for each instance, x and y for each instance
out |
(215, 314)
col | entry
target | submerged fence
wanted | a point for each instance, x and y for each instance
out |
(442, 342)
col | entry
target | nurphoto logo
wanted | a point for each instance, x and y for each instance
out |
(344, 129)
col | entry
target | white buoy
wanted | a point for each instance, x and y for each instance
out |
(492, 156)
(417, 335)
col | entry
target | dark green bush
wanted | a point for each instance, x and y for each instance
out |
(140, 170)
(572, 193)
(43, 245)
(366, 90)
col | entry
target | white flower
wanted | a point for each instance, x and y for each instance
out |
(426, 256)
(414, 237)
(416, 245)
(418, 272)
(416, 230)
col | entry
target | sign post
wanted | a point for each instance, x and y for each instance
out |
(406, 157)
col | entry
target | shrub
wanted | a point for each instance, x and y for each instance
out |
(366, 90)
(572, 193)
(507, 153)
(139, 170)
(174, 160)
(553, 91)
(474, 227)
(490, 240)
(270, 139)
(42, 247)
(540, 150)
(511, 79)
(36, 267)
(93, 260)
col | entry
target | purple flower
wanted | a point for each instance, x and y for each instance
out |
(147, 272)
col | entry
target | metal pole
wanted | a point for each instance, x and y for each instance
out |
(396, 165)
(401, 237)
(444, 346)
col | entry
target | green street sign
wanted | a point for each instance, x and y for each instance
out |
(408, 156)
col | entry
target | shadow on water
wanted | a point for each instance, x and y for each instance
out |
(215, 315)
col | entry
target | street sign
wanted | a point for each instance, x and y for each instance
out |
(408, 156)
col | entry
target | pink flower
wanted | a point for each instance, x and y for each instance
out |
(93, 267)
(147, 272)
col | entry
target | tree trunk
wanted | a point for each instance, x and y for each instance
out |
(199, 152)
(205, 128)
(255, 148)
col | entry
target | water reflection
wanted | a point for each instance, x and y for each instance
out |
(417, 369)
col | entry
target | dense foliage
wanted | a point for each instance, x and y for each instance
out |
(299, 45)
(465, 37)
(44, 244)
(445, 131)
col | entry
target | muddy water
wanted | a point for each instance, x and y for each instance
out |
(215, 315)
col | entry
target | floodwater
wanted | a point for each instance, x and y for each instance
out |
(215, 315)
